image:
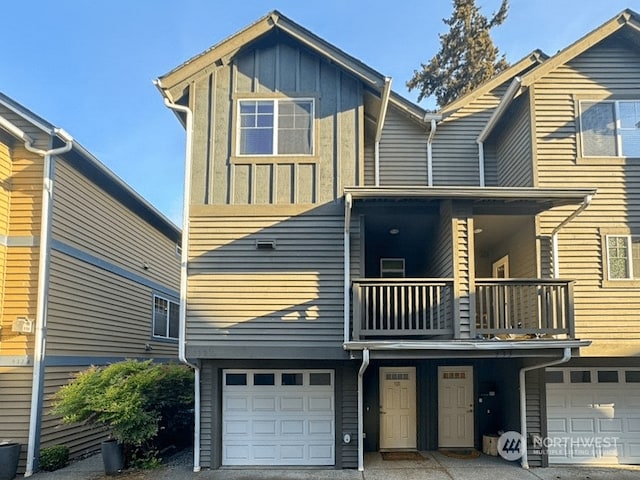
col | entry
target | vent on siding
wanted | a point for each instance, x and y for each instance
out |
(265, 244)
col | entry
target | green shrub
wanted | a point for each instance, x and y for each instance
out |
(133, 399)
(53, 458)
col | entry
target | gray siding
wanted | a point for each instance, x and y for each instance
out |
(442, 259)
(15, 403)
(513, 147)
(403, 152)
(455, 152)
(209, 420)
(607, 314)
(269, 69)
(81, 439)
(349, 393)
(242, 298)
(535, 393)
(95, 312)
(88, 218)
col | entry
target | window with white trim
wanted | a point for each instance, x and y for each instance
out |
(610, 128)
(623, 257)
(165, 318)
(275, 127)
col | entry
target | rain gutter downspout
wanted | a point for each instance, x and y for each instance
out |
(432, 133)
(384, 102)
(363, 368)
(554, 234)
(37, 386)
(497, 114)
(524, 461)
(348, 203)
(184, 258)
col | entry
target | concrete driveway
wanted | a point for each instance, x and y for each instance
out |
(433, 466)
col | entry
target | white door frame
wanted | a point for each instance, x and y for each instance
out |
(404, 426)
(500, 263)
(463, 375)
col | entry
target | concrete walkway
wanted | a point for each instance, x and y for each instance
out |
(434, 466)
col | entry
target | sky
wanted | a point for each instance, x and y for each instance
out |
(87, 66)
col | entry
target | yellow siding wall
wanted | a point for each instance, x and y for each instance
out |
(607, 315)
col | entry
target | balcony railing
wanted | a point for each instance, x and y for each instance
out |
(402, 308)
(539, 307)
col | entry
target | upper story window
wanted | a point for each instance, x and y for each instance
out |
(610, 128)
(623, 257)
(276, 127)
(165, 318)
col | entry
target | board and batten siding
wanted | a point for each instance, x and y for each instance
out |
(455, 151)
(93, 312)
(403, 152)
(514, 165)
(272, 69)
(89, 219)
(242, 297)
(607, 314)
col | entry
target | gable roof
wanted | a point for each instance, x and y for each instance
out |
(174, 83)
(536, 57)
(626, 18)
(94, 170)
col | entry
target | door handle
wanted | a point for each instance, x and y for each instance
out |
(382, 413)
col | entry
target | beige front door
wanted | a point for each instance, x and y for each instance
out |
(455, 407)
(397, 408)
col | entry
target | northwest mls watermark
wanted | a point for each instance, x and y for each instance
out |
(511, 445)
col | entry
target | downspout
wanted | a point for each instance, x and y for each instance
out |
(513, 88)
(554, 234)
(432, 133)
(184, 259)
(37, 385)
(363, 368)
(348, 203)
(523, 401)
(384, 102)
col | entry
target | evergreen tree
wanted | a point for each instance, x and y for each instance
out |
(467, 55)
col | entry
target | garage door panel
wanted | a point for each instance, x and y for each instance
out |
(289, 422)
(594, 421)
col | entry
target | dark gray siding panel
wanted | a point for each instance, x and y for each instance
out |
(535, 410)
(513, 147)
(349, 416)
(403, 152)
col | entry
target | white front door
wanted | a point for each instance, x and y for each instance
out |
(455, 407)
(397, 408)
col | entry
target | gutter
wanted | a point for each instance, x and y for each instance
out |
(363, 368)
(554, 234)
(493, 120)
(184, 259)
(37, 385)
(523, 401)
(384, 102)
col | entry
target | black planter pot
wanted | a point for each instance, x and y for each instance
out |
(9, 457)
(112, 457)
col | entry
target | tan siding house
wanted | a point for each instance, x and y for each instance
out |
(347, 248)
(79, 276)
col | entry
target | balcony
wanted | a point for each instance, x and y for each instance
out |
(424, 308)
(402, 308)
(524, 307)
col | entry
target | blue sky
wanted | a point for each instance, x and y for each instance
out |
(88, 66)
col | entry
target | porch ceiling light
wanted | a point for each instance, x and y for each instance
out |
(478, 230)
(394, 231)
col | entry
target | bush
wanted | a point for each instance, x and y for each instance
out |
(53, 458)
(133, 399)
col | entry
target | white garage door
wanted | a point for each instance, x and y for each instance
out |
(278, 417)
(593, 415)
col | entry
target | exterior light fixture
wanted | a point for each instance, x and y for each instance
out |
(394, 231)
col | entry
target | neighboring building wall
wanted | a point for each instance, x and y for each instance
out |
(605, 313)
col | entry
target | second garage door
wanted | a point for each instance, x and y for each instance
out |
(278, 417)
(593, 415)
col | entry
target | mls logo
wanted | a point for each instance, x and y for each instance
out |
(511, 445)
